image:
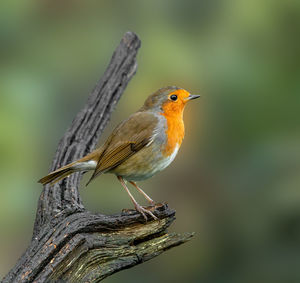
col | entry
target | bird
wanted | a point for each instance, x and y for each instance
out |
(139, 147)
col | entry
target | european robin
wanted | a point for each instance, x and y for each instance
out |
(140, 146)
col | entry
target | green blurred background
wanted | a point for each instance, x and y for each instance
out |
(236, 179)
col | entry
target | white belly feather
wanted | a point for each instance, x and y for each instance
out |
(163, 163)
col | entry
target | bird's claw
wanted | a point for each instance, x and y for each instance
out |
(142, 210)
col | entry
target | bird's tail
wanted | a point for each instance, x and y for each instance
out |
(86, 163)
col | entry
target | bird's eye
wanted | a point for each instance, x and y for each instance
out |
(173, 97)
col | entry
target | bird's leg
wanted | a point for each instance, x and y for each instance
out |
(139, 208)
(150, 200)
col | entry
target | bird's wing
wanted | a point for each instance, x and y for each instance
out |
(127, 138)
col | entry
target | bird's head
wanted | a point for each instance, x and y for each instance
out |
(168, 100)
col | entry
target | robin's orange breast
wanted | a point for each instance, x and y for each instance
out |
(174, 134)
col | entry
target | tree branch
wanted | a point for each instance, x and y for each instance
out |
(81, 138)
(72, 244)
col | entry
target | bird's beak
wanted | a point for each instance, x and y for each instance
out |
(193, 96)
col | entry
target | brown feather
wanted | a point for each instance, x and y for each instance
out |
(51, 178)
(59, 174)
(128, 138)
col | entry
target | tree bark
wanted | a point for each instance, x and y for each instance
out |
(71, 244)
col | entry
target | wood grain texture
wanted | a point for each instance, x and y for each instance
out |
(85, 130)
(71, 244)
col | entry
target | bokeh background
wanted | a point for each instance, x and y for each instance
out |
(236, 179)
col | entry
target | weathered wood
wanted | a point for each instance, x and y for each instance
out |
(70, 244)
(81, 138)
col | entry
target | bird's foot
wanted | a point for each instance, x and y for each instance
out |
(144, 211)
